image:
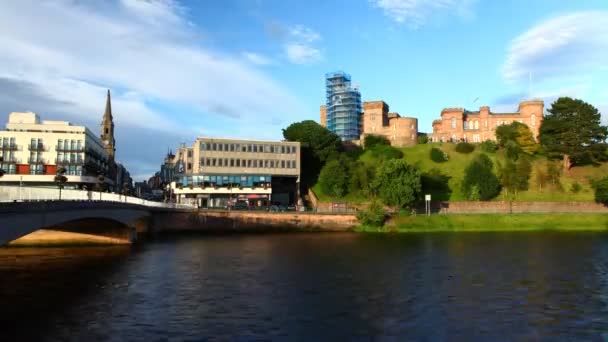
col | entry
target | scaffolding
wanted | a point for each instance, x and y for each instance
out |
(343, 103)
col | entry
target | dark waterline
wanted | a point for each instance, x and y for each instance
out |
(310, 287)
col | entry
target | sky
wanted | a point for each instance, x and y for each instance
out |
(182, 69)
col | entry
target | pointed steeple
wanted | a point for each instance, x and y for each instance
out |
(107, 129)
(108, 114)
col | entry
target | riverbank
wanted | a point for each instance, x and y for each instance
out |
(492, 223)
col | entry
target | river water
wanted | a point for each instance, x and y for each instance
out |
(311, 287)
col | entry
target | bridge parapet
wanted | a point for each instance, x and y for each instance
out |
(36, 194)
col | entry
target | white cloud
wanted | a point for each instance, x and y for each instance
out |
(564, 46)
(256, 58)
(302, 53)
(147, 52)
(300, 47)
(416, 13)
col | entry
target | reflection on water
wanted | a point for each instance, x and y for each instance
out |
(311, 287)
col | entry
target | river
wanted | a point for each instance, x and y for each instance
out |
(311, 287)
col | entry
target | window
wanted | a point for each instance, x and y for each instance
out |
(533, 120)
(72, 145)
(225, 147)
(59, 144)
(220, 161)
(282, 149)
(189, 153)
(282, 164)
(476, 124)
(231, 147)
(244, 148)
(220, 147)
(255, 163)
(485, 124)
(232, 161)
(272, 164)
(213, 162)
(464, 125)
(266, 163)
(249, 148)
(255, 148)
(248, 162)
(453, 122)
(238, 163)
(189, 166)
(202, 146)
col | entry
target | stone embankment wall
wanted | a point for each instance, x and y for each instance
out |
(250, 221)
(516, 207)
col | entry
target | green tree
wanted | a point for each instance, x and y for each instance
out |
(601, 190)
(318, 145)
(423, 138)
(523, 170)
(361, 177)
(572, 131)
(519, 134)
(479, 179)
(334, 177)
(436, 184)
(397, 183)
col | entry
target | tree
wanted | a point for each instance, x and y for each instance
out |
(436, 184)
(60, 179)
(519, 134)
(397, 183)
(572, 131)
(361, 177)
(463, 147)
(334, 177)
(423, 138)
(601, 190)
(318, 145)
(438, 156)
(479, 179)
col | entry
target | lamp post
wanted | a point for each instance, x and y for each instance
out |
(100, 182)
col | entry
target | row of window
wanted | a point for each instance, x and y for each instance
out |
(255, 148)
(70, 144)
(250, 163)
(227, 180)
(6, 142)
(475, 124)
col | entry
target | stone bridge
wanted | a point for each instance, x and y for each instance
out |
(111, 222)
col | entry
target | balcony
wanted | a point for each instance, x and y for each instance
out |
(37, 161)
(10, 147)
(37, 147)
(69, 162)
(69, 148)
(10, 160)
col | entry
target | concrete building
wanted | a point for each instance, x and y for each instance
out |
(343, 106)
(33, 150)
(458, 124)
(215, 173)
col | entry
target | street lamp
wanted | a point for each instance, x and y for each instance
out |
(100, 183)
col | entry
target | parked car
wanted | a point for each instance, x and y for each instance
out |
(240, 205)
(291, 207)
(277, 208)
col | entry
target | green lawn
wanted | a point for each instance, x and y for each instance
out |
(419, 155)
(494, 222)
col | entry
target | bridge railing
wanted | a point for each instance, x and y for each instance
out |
(26, 194)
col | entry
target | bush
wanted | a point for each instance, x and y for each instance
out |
(370, 141)
(480, 182)
(438, 156)
(463, 147)
(601, 191)
(373, 216)
(386, 152)
(423, 139)
(576, 187)
(488, 146)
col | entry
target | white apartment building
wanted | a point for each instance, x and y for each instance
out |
(32, 150)
(218, 172)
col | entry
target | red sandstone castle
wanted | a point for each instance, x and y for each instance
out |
(457, 124)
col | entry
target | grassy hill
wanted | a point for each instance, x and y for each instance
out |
(419, 155)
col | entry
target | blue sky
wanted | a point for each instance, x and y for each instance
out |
(247, 68)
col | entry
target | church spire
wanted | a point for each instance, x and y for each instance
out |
(108, 114)
(107, 129)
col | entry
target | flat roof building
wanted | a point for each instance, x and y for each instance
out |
(217, 172)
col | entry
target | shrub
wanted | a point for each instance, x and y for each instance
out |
(438, 156)
(370, 141)
(373, 216)
(601, 190)
(386, 152)
(576, 187)
(488, 146)
(479, 181)
(423, 139)
(463, 147)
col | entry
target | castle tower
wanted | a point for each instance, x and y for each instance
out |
(107, 130)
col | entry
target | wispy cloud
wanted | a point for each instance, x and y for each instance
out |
(300, 46)
(564, 46)
(256, 58)
(148, 52)
(416, 13)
